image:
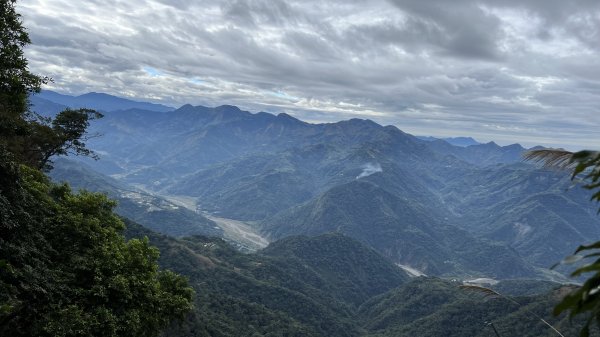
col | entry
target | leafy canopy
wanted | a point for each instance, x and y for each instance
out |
(33, 139)
(65, 267)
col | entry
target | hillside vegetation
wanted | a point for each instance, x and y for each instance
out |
(442, 209)
(331, 285)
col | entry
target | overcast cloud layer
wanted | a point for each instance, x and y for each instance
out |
(503, 70)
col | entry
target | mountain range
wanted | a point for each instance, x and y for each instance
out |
(442, 209)
(457, 141)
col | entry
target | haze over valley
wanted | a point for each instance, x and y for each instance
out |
(439, 208)
(379, 168)
(461, 212)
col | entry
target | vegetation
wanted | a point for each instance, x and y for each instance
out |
(65, 267)
(434, 307)
(32, 139)
(352, 271)
(400, 228)
(317, 286)
(255, 294)
(583, 300)
(148, 210)
(298, 178)
(67, 270)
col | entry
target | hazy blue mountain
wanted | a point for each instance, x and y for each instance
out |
(456, 141)
(257, 186)
(461, 141)
(45, 107)
(535, 211)
(400, 229)
(254, 187)
(481, 154)
(263, 167)
(99, 101)
(153, 212)
(159, 149)
(162, 146)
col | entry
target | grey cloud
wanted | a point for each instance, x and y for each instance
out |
(505, 70)
(178, 4)
(257, 12)
(459, 28)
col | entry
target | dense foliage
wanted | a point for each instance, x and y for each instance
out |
(68, 271)
(318, 286)
(65, 267)
(146, 209)
(434, 307)
(32, 139)
(263, 294)
(16, 82)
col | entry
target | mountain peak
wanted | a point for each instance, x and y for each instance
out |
(100, 101)
(227, 107)
(289, 120)
(186, 107)
(490, 144)
(515, 146)
(99, 94)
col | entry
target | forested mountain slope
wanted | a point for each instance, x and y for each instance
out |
(277, 291)
(399, 228)
(431, 205)
(331, 285)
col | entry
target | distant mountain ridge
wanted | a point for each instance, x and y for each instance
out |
(400, 229)
(456, 141)
(99, 101)
(428, 200)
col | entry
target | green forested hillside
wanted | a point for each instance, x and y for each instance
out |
(351, 272)
(537, 212)
(399, 228)
(246, 290)
(434, 307)
(331, 285)
(67, 270)
(262, 167)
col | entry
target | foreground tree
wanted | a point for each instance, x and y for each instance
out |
(585, 166)
(65, 267)
(32, 139)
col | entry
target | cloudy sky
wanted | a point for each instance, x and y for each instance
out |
(505, 70)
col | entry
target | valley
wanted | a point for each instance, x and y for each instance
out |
(241, 233)
(256, 207)
(442, 209)
(256, 168)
